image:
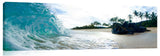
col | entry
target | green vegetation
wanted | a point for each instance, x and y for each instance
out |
(92, 26)
(117, 20)
(96, 23)
(150, 22)
(114, 19)
(86, 27)
(152, 19)
(130, 18)
(105, 24)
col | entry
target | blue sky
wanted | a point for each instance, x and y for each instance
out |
(144, 8)
(72, 15)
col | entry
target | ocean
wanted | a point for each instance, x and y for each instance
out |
(32, 26)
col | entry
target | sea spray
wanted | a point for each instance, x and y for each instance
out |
(33, 26)
(26, 24)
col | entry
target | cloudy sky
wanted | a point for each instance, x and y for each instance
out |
(79, 14)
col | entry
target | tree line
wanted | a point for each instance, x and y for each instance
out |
(151, 20)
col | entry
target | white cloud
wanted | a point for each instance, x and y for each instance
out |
(83, 13)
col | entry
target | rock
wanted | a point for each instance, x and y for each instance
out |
(119, 29)
(127, 28)
(141, 29)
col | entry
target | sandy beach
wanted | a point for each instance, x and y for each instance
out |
(137, 40)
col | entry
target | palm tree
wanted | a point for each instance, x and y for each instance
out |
(147, 15)
(135, 13)
(105, 24)
(130, 17)
(141, 15)
(121, 20)
(114, 19)
(96, 23)
(153, 15)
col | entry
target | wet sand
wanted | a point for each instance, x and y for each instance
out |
(137, 40)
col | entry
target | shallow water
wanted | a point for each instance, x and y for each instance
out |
(33, 26)
(86, 40)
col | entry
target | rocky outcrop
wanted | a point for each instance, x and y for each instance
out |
(127, 28)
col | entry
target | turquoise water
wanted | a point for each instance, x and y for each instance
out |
(32, 26)
(27, 22)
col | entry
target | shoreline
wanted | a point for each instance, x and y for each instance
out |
(146, 39)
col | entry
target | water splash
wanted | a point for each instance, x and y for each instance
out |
(32, 26)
